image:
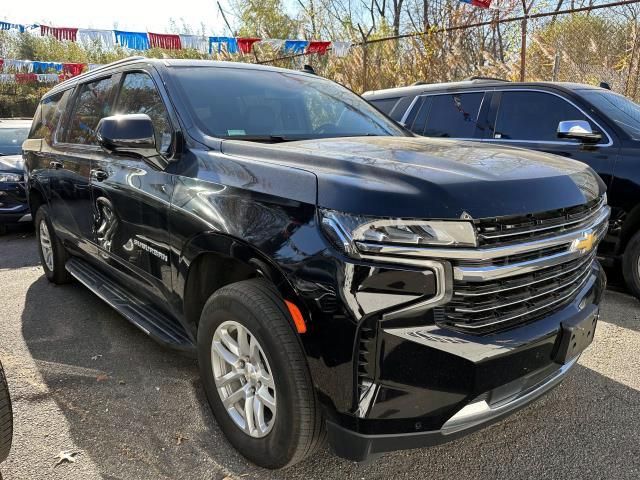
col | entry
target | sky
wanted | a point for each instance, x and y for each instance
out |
(132, 15)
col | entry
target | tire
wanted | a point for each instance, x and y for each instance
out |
(296, 429)
(631, 265)
(6, 418)
(3, 229)
(53, 265)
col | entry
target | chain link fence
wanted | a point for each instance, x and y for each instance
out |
(590, 44)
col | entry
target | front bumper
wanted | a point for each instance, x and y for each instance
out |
(13, 204)
(430, 385)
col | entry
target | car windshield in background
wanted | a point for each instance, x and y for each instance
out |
(265, 105)
(617, 107)
(11, 140)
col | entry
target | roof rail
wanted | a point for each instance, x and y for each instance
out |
(103, 67)
(491, 79)
(419, 82)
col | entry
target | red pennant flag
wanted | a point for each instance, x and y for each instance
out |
(72, 69)
(59, 33)
(481, 3)
(318, 47)
(166, 41)
(26, 77)
(245, 44)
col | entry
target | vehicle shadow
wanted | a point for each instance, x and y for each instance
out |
(622, 310)
(138, 411)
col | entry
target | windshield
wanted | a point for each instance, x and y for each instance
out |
(11, 140)
(261, 105)
(621, 110)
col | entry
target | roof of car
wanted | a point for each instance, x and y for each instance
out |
(168, 62)
(15, 122)
(475, 83)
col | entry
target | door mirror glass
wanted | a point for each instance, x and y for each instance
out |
(132, 133)
(578, 130)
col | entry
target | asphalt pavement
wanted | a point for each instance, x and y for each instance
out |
(86, 382)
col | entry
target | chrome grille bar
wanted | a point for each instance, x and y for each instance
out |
(559, 224)
(532, 296)
(511, 318)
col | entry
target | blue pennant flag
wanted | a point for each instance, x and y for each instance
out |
(132, 40)
(295, 46)
(11, 26)
(230, 42)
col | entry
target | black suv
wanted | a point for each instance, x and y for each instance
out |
(334, 273)
(590, 124)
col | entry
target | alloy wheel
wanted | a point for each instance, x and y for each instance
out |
(45, 245)
(243, 379)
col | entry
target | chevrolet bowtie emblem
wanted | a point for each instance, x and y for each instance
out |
(585, 243)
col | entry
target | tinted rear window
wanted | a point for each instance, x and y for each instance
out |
(48, 116)
(453, 115)
(385, 104)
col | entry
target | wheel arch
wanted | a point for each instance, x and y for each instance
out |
(35, 197)
(630, 226)
(211, 261)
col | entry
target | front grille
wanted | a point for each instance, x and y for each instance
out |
(521, 228)
(484, 307)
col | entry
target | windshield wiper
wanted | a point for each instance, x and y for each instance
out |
(263, 138)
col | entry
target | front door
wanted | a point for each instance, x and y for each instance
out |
(131, 199)
(530, 118)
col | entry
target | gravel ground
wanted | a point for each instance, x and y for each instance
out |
(83, 379)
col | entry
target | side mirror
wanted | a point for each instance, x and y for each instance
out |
(132, 133)
(578, 130)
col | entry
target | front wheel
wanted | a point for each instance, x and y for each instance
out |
(53, 255)
(256, 376)
(631, 265)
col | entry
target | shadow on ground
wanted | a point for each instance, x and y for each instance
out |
(128, 402)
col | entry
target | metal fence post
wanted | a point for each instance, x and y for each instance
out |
(523, 49)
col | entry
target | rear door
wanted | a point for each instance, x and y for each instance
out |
(529, 119)
(450, 115)
(70, 161)
(131, 197)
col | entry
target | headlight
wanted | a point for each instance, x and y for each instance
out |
(10, 177)
(347, 230)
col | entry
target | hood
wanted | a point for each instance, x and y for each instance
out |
(11, 164)
(432, 178)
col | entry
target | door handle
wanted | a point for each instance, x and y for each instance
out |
(99, 174)
(55, 164)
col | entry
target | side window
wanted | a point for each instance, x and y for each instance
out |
(533, 116)
(91, 105)
(138, 94)
(48, 116)
(385, 104)
(454, 115)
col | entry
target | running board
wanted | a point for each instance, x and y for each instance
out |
(154, 323)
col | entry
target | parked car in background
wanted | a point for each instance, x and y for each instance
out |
(335, 274)
(590, 124)
(13, 199)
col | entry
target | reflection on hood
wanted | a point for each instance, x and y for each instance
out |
(12, 163)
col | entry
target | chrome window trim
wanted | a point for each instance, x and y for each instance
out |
(548, 142)
(484, 253)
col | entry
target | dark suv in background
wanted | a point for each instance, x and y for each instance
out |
(13, 197)
(590, 124)
(334, 273)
